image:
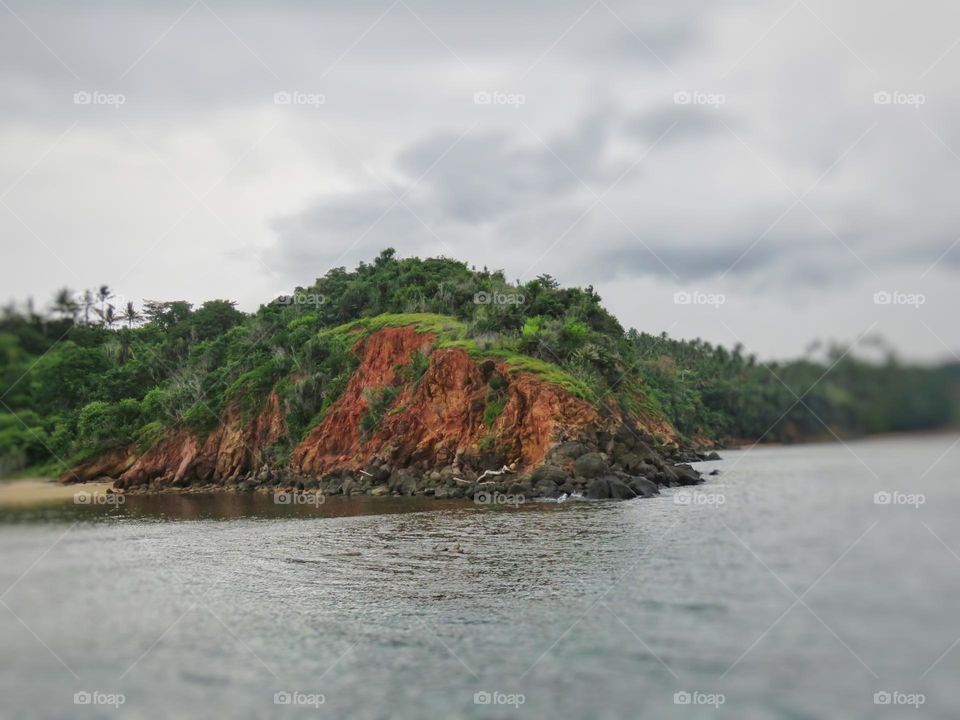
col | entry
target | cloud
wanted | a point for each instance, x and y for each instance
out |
(795, 185)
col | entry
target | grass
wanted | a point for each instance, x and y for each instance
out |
(440, 325)
(451, 333)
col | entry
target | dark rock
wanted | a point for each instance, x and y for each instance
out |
(570, 450)
(686, 475)
(619, 490)
(591, 465)
(714, 472)
(644, 487)
(519, 489)
(549, 474)
(599, 489)
(636, 464)
(547, 490)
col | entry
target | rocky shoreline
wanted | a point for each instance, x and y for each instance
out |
(628, 468)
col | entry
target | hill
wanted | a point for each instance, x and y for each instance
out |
(409, 375)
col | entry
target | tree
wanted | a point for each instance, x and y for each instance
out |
(131, 315)
(65, 305)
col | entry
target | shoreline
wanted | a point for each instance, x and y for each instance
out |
(37, 491)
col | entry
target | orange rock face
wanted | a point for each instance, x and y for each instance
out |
(439, 417)
(233, 448)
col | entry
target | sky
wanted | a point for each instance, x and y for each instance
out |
(769, 173)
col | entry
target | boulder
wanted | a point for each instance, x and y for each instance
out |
(619, 490)
(570, 450)
(686, 475)
(643, 487)
(549, 474)
(591, 465)
(599, 489)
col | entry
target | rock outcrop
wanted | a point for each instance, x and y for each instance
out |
(462, 428)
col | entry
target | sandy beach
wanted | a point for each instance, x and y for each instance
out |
(34, 491)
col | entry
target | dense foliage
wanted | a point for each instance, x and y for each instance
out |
(82, 375)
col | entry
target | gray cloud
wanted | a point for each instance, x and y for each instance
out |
(111, 194)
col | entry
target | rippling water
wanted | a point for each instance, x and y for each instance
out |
(781, 589)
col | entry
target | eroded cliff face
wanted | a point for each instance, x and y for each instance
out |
(237, 446)
(455, 428)
(439, 418)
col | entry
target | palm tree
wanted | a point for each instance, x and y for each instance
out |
(103, 294)
(87, 303)
(131, 315)
(107, 316)
(65, 305)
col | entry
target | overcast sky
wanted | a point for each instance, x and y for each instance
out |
(734, 151)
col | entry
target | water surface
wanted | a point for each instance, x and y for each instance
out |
(780, 586)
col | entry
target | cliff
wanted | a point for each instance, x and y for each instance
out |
(417, 417)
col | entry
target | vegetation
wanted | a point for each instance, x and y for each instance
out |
(83, 375)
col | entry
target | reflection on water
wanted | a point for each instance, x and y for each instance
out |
(221, 506)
